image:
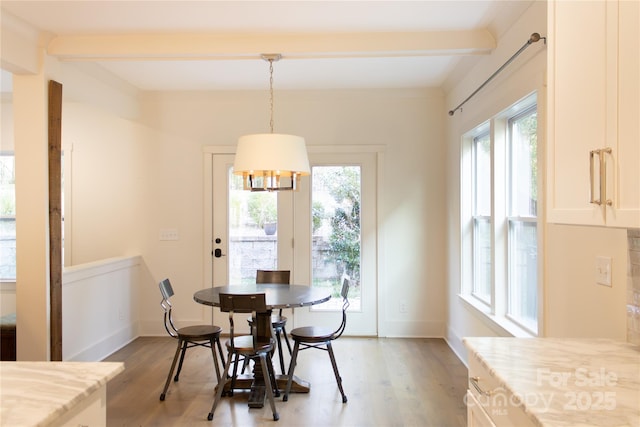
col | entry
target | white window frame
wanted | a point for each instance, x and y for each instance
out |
(10, 279)
(496, 311)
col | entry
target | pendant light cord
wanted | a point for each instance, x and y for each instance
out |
(271, 93)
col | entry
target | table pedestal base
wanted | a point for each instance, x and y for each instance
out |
(257, 389)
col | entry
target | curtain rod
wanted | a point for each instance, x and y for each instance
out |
(535, 37)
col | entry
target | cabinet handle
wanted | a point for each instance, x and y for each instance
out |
(602, 162)
(592, 199)
(475, 383)
(603, 176)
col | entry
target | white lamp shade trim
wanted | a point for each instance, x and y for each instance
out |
(282, 153)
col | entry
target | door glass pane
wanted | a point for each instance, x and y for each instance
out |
(253, 236)
(335, 211)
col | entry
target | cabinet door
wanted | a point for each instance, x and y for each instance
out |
(476, 415)
(578, 101)
(623, 179)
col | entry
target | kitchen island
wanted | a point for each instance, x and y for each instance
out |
(55, 393)
(553, 382)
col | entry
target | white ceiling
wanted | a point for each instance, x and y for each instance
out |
(325, 44)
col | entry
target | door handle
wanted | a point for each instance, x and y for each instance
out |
(218, 252)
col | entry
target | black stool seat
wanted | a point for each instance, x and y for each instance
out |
(311, 334)
(244, 345)
(199, 332)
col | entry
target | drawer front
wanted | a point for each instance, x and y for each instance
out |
(483, 386)
(476, 415)
(492, 400)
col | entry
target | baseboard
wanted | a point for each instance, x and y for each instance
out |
(106, 346)
(412, 329)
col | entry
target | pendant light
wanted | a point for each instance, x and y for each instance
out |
(263, 159)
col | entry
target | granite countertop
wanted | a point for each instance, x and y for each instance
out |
(37, 393)
(566, 382)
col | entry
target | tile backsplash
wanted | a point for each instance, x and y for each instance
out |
(633, 287)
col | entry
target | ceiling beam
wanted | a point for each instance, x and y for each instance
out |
(182, 46)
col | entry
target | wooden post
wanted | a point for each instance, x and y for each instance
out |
(55, 217)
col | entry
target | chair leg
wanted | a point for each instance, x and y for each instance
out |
(234, 375)
(269, 385)
(215, 358)
(272, 376)
(173, 365)
(220, 388)
(292, 366)
(335, 371)
(184, 351)
(245, 363)
(220, 350)
(279, 344)
(286, 339)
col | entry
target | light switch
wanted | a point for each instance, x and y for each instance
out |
(169, 234)
(603, 270)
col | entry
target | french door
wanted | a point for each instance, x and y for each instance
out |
(322, 233)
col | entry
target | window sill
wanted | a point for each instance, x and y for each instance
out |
(499, 324)
(7, 286)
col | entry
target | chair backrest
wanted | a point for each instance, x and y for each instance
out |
(243, 303)
(344, 293)
(281, 277)
(273, 276)
(167, 292)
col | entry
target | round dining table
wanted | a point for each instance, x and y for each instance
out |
(277, 296)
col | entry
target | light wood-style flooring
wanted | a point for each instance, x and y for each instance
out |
(388, 381)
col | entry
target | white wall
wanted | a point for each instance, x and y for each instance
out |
(523, 76)
(412, 217)
(575, 305)
(107, 185)
(99, 307)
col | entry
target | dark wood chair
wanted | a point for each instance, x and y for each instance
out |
(247, 346)
(278, 321)
(189, 336)
(318, 337)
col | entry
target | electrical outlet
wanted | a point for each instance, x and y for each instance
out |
(403, 307)
(169, 234)
(603, 271)
(120, 314)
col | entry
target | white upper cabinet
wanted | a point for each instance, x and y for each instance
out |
(593, 127)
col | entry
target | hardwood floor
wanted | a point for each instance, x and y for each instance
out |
(388, 381)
